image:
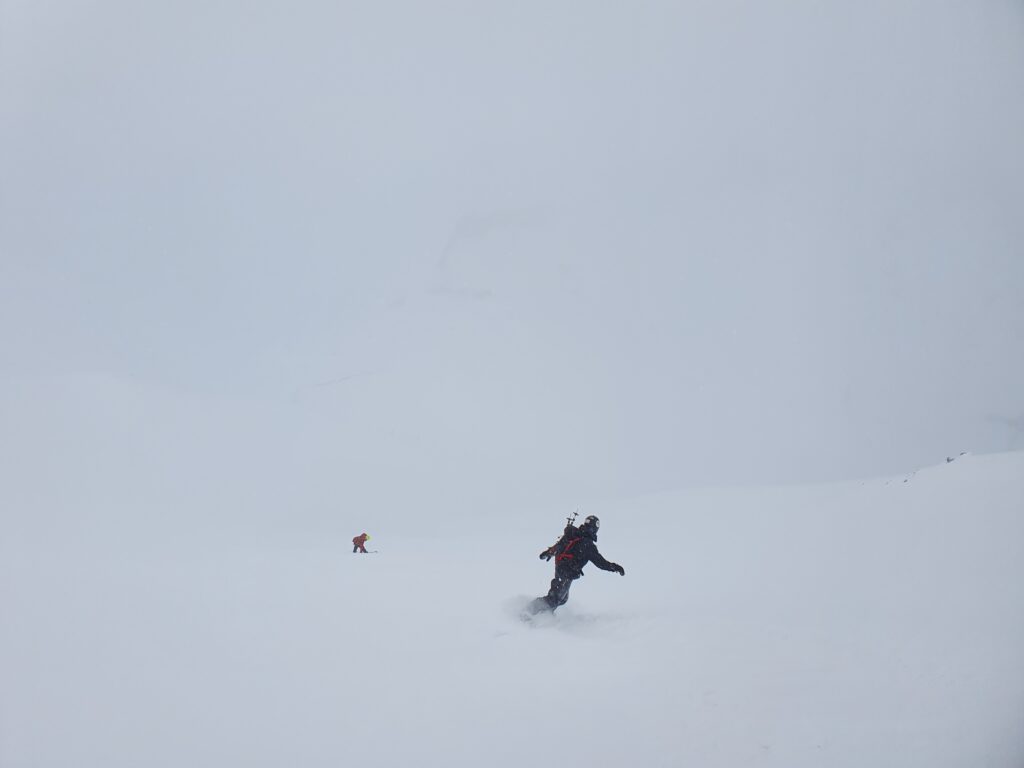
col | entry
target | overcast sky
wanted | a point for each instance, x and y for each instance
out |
(464, 256)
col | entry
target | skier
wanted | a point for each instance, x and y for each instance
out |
(359, 543)
(576, 548)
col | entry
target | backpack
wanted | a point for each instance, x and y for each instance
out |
(562, 549)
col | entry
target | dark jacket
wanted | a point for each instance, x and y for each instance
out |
(576, 548)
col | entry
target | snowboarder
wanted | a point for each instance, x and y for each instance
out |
(359, 543)
(576, 548)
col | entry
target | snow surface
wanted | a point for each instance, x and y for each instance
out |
(874, 623)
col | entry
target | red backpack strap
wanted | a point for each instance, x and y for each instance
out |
(565, 554)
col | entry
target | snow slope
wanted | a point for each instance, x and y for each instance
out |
(876, 623)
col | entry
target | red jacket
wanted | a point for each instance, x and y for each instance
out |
(360, 540)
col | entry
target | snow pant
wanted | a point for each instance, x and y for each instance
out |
(559, 592)
(358, 548)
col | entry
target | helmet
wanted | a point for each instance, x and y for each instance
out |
(592, 522)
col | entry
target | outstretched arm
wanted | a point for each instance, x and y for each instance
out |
(548, 553)
(606, 565)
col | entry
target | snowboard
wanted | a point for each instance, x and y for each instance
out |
(535, 607)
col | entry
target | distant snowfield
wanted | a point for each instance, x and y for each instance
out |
(878, 623)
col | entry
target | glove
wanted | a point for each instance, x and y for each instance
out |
(545, 555)
(620, 569)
